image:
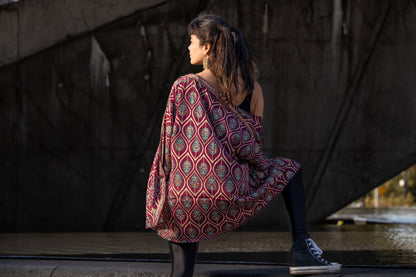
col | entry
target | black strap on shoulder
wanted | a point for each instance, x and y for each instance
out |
(245, 105)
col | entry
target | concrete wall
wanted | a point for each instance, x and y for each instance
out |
(81, 118)
(30, 26)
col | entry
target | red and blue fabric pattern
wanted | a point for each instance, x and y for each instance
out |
(209, 174)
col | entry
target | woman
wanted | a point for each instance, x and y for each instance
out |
(209, 174)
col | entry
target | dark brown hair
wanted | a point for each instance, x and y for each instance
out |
(229, 55)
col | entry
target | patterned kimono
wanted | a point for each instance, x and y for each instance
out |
(209, 174)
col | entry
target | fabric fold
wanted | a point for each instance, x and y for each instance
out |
(209, 174)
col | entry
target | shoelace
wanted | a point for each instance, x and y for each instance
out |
(316, 251)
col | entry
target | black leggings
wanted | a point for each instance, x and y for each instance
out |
(184, 254)
(183, 258)
(294, 197)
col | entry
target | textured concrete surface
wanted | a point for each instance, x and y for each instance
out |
(33, 26)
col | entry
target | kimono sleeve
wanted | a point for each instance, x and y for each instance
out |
(161, 166)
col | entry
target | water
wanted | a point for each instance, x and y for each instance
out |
(394, 215)
(376, 236)
(353, 236)
(374, 244)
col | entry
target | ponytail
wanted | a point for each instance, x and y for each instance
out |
(229, 57)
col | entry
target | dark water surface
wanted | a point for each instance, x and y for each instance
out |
(372, 244)
(393, 215)
(375, 236)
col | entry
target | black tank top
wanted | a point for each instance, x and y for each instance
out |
(245, 105)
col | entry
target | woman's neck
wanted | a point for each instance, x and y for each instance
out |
(210, 78)
(207, 75)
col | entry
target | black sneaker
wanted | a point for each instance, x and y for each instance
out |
(305, 258)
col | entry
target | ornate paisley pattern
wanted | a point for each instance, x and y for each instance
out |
(209, 174)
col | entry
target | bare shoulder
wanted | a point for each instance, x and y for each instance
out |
(257, 91)
(257, 101)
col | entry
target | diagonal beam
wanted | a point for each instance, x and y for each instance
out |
(350, 93)
(28, 27)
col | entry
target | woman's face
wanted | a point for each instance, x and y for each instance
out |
(196, 50)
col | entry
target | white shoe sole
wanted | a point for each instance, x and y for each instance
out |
(303, 270)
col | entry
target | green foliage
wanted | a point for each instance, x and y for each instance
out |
(394, 194)
(411, 179)
(391, 193)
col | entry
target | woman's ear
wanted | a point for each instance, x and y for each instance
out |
(207, 48)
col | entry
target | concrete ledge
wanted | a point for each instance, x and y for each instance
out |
(37, 268)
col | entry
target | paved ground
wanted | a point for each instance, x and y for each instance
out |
(37, 268)
(234, 254)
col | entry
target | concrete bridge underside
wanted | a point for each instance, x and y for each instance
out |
(83, 85)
